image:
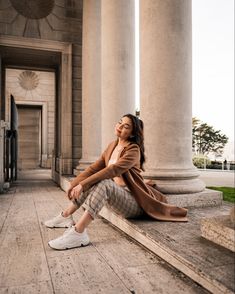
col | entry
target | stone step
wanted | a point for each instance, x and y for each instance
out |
(203, 269)
(206, 198)
(219, 230)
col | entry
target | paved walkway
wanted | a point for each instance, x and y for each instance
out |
(112, 263)
(218, 178)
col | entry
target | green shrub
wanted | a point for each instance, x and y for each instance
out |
(200, 160)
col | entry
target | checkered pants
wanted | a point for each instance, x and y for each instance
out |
(108, 193)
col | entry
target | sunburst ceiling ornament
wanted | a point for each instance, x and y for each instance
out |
(28, 80)
(42, 19)
(34, 9)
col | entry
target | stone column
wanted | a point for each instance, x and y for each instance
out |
(91, 83)
(166, 98)
(118, 64)
(62, 157)
(64, 161)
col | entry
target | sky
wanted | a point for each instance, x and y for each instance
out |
(213, 63)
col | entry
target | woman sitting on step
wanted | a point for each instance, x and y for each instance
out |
(114, 180)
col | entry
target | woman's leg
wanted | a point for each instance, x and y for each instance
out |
(65, 219)
(70, 210)
(94, 199)
(84, 221)
(118, 198)
(76, 203)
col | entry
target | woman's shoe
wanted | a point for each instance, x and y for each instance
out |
(60, 221)
(70, 239)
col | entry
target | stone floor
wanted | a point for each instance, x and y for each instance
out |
(112, 263)
(182, 246)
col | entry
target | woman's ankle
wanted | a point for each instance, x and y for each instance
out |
(65, 214)
(79, 229)
(80, 226)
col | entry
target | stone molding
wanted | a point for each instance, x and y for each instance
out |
(37, 44)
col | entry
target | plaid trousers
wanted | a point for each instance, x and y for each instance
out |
(108, 193)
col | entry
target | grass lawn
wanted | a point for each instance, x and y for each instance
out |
(228, 193)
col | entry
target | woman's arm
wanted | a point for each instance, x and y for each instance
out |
(90, 170)
(127, 160)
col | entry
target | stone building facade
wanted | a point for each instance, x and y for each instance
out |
(32, 34)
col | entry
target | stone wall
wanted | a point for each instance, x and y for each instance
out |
(58, 20)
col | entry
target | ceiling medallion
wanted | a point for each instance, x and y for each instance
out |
(28, 80)
(34, 9)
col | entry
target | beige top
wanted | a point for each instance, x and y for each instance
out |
(113, 159)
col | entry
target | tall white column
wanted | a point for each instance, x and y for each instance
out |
(91, 83)
(118, 63)
(166, 98)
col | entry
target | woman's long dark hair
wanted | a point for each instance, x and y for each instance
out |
(137, 135)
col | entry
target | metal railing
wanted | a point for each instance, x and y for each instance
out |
(4, 127)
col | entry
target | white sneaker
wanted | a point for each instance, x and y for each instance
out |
(60, 221)
(70, 239)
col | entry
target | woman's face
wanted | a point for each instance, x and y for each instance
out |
(123, 128)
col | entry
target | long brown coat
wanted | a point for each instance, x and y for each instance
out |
(153, 202)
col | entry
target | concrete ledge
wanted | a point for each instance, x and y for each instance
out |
(202, 199)
(62, 181)
(219, 230)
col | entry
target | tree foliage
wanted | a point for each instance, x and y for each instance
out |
(206, 139)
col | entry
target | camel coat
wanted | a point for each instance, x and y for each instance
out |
(153, 202)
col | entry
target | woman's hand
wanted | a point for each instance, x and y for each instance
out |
(75, 192)
(69, 192)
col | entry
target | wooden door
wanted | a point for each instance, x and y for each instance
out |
(29, 137)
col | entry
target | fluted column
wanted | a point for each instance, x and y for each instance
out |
(91, 83)
(118, 64)
(166, 98)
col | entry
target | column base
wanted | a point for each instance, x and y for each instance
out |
(206, 198)
(82, 165)
(176, 181)
(46, 161)
(63, 166)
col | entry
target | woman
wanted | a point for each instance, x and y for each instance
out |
(114, 180)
